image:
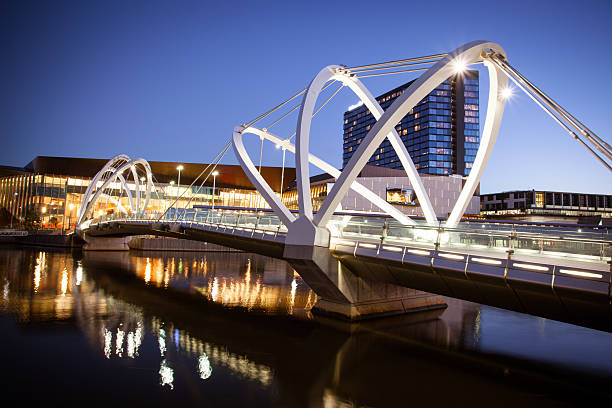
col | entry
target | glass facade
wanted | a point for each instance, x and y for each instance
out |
(441, 133)
(56, 199)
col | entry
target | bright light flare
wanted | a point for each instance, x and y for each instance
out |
(459, 66)
(507, 93)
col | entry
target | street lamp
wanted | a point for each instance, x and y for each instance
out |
(70, 208)
(178, 189)
(215, 174)
(14, 207)
(171, 182)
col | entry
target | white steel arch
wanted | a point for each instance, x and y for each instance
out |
(266, 191)
(112, 171)
(467, 54)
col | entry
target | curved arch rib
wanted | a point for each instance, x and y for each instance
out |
(335, 72)
(468, 54)
(90, 198)
(326, 167)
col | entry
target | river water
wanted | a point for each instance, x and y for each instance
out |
(233, 329)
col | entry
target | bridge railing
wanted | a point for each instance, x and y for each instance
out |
(593, 245)
(205, 216)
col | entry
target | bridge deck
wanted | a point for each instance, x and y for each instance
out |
(564, 275)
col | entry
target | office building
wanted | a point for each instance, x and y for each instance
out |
(441, 133)
(540, 205)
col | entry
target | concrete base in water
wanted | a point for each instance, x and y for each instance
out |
(419, 302)
(106, 244)
(175, 244)
(346, 295)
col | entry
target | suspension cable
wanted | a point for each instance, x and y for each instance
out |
(599, 143)
(263, 115)
(318, 110)
(428, 57)
(394, 66)
(391, 73)
(205, 179)
(219, 156)
(295, 108)
(550, 113)
(282, 175)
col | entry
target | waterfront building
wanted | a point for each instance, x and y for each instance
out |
(441, 133)
(541, 205)
(53, 188)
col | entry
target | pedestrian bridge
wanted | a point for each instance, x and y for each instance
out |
(365, 265)
(551, 271)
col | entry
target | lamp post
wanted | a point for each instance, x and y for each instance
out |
(215, 174)
(178, 187)
(142, 180)
(171, 182)
(70, 208)
(14, 208)
(44, 211)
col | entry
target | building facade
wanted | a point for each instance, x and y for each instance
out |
(441, 133)
(531, 204)
(53, 188)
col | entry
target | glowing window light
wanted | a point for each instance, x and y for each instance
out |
(487, 261)
(452, 256)
(581, 273)
(420, 252)
(530, 267)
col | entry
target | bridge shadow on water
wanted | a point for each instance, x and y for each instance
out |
(234, 329)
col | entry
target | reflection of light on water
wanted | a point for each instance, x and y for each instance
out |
(166, 375)
(204, 367)
(64, 284)
(162, 341)
(293, 288)
(108, 339)
(79, 274)
(119, 343)
(147, 275)
(131, 345)
(215, 290)
(40, 265)
(477, 326)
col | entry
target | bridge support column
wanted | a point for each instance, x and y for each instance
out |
(346, 295)
(106, 243)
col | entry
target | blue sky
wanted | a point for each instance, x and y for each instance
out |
(169, 80)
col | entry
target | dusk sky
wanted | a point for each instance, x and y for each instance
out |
(169, 80)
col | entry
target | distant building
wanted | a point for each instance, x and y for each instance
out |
(53, 188)
(441, 133)
(539, 205)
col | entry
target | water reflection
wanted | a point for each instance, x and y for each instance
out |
(232, 279)
(147, 339)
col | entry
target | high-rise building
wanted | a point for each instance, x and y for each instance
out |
(441, 133)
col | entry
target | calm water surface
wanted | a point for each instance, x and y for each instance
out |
(234, 329)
